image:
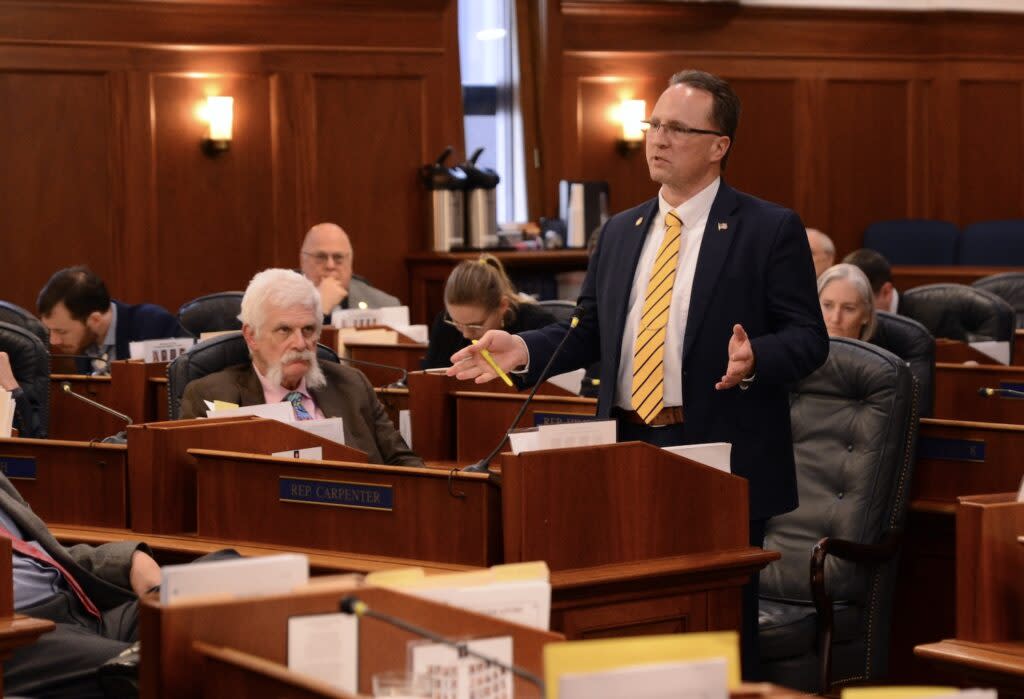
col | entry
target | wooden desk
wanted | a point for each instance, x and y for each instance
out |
(957, 398)
(73, 482)
(428, 272)
(996, 665)
(403, 355)
(956, 352)
(954, 458)
(482, 418)
(908, 276)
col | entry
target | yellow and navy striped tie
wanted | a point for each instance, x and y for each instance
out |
(649, 348)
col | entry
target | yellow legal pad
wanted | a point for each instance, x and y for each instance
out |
(907, 692)
(611, 653)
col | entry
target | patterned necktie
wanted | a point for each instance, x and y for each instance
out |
(27, 549)
(649, 349)
(295, 398)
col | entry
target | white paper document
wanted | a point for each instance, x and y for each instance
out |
(282, 412)
(464, 678)
(308, 453)
(331, 428)
(326, 647)
(240, 577)
(392, 316)
(526, 602)
(165, 350)
(569, 381)
(405, 426)
(6, 412)
(573, 434)
(999, 351)
(713, 454)
(700, 679)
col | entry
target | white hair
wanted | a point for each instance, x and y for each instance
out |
(278, 288)
(827, 246)
(855, 275)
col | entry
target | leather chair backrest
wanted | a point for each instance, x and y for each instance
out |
(914, 241)
(561, 310)
(212, 313)
(16, 315)
(212, 356)
(993, 243)
(854, 424)
(911, 342)
(1009, 286)
(30, 364)
(959, 312)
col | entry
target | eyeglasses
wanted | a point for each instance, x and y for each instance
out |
(676, 130)
(463, 327)
(339, 258)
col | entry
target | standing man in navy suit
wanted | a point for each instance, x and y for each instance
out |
(721, 285)
(83, 320)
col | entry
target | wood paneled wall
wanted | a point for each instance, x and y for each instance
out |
(848, 116)
(337, 104)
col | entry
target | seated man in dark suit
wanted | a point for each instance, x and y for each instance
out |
(281, 322)
(879, 272)
(83, 320)
(90, 592)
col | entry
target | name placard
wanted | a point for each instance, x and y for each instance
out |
(540, 419)
(164, 350)
(23, 467)
(951, 449)
(360, 496)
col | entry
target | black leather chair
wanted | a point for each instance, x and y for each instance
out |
(16, 315)
(854, 434)
(1009, 286)
(911, 342)
(30, 364)
(561, 310)
(212, 313)
(960, 312)
(211, 356)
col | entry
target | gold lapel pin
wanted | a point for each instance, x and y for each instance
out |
(639, 221)
(723, 226)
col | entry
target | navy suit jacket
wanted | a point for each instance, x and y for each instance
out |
(754, 268)
(144, 321)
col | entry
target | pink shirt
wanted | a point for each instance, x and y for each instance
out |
(275, 394)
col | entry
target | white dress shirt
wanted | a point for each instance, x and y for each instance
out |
(694, 215)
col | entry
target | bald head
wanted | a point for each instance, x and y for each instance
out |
(326, 252)
(822, 250)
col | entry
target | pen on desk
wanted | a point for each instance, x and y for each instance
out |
(494, 365)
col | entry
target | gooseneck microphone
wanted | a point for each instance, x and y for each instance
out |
(481, 466)
(362, 362)
(1002, 392)
(119, 438)
(356, 607)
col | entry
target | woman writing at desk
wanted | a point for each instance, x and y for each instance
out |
(478, 297)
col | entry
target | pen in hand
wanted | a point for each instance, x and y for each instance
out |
(494, 365)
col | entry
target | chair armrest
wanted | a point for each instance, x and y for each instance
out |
(851, 551)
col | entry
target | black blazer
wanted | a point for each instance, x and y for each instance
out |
(754, 268)
(446, 340)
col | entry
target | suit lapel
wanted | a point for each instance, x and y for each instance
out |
(714, 249)
(250, 390)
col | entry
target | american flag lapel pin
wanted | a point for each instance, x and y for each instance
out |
(723, 226)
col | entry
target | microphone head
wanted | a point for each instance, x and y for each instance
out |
(352, 605)
(65, 386)
(577, 316)
(478, 467)
(986, 392)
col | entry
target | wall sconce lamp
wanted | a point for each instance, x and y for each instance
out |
(631, 114)
(218, 114)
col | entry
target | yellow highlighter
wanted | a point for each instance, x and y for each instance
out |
(494, 365)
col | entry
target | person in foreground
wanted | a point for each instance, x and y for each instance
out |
(847, 302)
(91, 593)
(701, 305)
(478, 297)
(326, 259)
(84, 321)
(281, 323)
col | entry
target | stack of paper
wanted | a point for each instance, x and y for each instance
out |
(516, 592)
(6, 412)
(573, 434)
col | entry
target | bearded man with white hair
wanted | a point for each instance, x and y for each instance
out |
(281, 323)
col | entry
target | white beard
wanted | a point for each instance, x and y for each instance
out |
(314, 375)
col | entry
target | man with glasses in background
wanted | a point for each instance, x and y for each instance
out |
(702, 307)
(326, 260)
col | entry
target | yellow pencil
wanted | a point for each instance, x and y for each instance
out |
(494, 365)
